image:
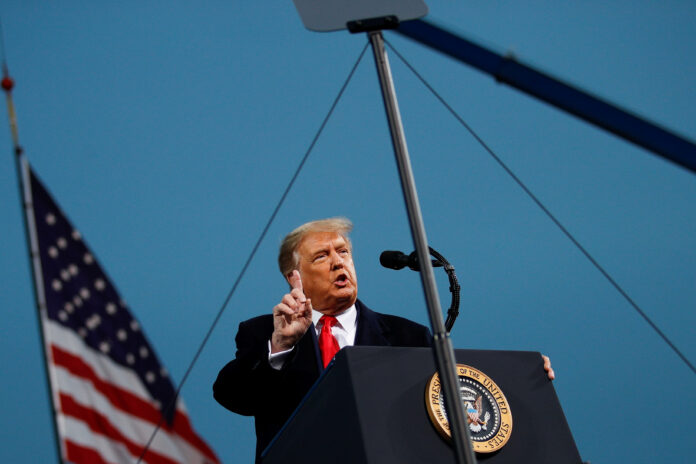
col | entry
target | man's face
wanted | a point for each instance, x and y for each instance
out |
(327, 271)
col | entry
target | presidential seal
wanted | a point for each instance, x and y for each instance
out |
(486, 409)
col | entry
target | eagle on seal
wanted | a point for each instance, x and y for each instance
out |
(473, 413)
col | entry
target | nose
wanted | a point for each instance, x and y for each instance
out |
(336, 260)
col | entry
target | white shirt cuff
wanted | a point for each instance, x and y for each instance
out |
(277, 360)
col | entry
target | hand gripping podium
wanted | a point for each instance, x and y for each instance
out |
(370, 407)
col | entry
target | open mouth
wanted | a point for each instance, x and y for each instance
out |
(341, 280)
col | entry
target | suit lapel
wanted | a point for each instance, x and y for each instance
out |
(370, 331)
(309, 349)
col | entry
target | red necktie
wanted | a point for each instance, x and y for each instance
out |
(328, 345)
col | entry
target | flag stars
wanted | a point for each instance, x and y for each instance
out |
(62, 243)
(134, 325)
(69, 308)
(121, 335)
(143, 352)
(53, 252)
(93, 321)
(57, 285)
(50, 219)
(150, 377)
(84, 293)
(130, 359)
(99, 284)
(88, 258)
(73, 269)
(77, 301)
(63, 316)
(82, 332)
(111, 308)
(76, 235)
(65, 275)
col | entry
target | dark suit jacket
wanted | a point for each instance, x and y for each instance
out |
(248, 385)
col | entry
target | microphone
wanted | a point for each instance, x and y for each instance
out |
(397, 260)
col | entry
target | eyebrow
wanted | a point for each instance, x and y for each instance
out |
(326, 248)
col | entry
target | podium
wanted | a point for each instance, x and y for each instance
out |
(370, 407)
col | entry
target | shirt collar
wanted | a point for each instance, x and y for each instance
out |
(346, 319)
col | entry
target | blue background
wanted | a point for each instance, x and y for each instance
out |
(168, 131)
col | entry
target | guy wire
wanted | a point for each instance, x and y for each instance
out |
(546, 211)
(255, 249)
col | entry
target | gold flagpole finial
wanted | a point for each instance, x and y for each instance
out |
(7, 85)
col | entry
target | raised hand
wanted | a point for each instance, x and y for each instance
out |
(291, 317)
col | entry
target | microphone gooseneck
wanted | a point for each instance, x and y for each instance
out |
(397, 260)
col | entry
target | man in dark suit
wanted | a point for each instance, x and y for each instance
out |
(280, 355)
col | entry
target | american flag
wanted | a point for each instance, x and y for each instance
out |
(109, 389)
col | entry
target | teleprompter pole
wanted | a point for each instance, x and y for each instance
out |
(442, 346)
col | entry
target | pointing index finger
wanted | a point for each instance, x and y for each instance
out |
(296, 280)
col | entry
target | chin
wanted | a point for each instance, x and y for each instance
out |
(348, 302)
(344, 301)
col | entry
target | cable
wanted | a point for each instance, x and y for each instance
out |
(254, 250)
(546, 211)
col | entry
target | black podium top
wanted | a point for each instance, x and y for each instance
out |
(370, 407)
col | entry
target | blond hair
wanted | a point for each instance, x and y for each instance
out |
(287, 256)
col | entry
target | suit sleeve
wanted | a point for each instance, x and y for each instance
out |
(246, 380)
(248, 385)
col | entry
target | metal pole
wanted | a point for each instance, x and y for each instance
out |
(37, 278)
(23, 183)
(601, 113)
(442, 346)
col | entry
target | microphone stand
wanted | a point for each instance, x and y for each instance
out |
(442, 346)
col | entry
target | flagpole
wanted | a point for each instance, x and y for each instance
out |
(23, 181)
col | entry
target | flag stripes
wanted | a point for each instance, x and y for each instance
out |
(132, 428)
(99, 424)
(86, 374)
(77, 453)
